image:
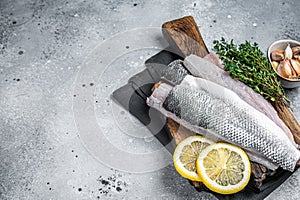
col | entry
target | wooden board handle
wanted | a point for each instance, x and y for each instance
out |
(184, 37)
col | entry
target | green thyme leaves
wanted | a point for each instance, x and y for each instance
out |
(247, 63)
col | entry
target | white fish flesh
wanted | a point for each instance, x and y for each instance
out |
(204, 106)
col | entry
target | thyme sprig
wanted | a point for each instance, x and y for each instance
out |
(248, 64)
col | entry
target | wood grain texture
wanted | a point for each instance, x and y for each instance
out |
(289, 119)
(184, 36)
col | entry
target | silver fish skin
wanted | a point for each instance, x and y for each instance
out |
(211, 68)
(175, 72)
(204, 105)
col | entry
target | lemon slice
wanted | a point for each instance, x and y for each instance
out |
(224, 168)
(186, 154)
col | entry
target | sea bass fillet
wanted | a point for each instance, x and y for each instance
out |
(202, 105)
(210, 68)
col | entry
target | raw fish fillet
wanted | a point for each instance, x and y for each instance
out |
(219, 113)
(210, 68)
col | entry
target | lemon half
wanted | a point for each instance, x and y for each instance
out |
(224, 168)
(186, 154)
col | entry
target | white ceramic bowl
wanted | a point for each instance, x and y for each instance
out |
(282, 44)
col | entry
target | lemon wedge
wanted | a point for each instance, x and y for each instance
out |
(186, 154)
(224, 168)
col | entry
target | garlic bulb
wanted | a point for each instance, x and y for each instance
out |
(284, 69)
(287, 62)
(288, 53)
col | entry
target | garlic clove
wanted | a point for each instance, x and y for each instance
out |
(288, 53)
(274, 64)
(295, 65)
(296, 50)
(284, 69)
(277, 55)
(294, 73)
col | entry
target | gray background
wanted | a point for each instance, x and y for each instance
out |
(42, 47)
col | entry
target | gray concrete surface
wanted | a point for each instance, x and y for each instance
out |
(44, 46)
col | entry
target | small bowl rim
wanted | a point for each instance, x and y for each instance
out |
(269, 56)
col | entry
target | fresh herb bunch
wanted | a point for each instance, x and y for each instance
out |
(249, 65)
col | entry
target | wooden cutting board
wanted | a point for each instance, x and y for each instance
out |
(185, 39)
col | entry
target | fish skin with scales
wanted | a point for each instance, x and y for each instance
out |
(221, 113)
(211, 68)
